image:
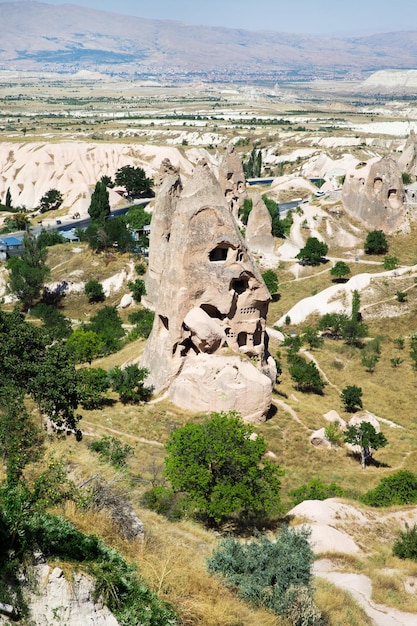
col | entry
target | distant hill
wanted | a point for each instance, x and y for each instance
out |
(67, 38)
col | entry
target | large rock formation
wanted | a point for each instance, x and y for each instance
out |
(232, 180)
(374, 193)
(407, 162)
(259, 235)
(208, 346)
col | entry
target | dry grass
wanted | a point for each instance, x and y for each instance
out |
(338, 606)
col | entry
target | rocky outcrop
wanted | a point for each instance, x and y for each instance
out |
(374, 193)
(258, 234)
(407, 161)
(208, 345)
(59, 601)
(232, 180)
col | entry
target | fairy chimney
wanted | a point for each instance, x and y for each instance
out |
(258, 234)
(208, 345)
(374, 192)
(232, 180)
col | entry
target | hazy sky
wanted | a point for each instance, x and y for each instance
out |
(303, 16)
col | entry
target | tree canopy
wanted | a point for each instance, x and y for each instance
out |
(365, 436)
(99, 207)
(376, 242)
(313, 251)
(51, 200)
(134, 180)
(221, 469)
(339, 270)
(28, 271)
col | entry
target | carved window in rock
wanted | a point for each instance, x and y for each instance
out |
(242, 339)
(164, 321)
(249, 311)
(212, 311)
(219, 253)
(257, 337)
(377, 183)
(392, 192)
(240, 285)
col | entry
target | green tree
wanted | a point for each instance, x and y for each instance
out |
(99, 207)
(92, 383)
(50, 201)
(252, 168)
(107, 324)
(390, 262)
(313, 251)
(365, 436)
(340, 270)
(312, 337)
(274, 573)
(28, 271)
(137, 288)
(23, 345)
(376, 242)
(305, 374)
(271, 281)
(54, 388)
(143, 321)
(137, 218)
(332, 325)
(129, 383)
(55, 323)
(134, 180)
(369, 359)
(351, 397)
(221, 469)
(112, 450)
(399, 488)
(94, 291)
(84, 345)
(8, 200)
(245, 210)
(50, 237)
(315, 490)
(406, 178)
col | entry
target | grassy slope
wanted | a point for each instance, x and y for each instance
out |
(173, 556)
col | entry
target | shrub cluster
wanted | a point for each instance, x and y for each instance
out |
(399, 488)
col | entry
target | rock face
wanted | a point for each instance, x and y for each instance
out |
(232, 180)
(407, 161)
(59, 601)
(208, 345)
(374, 193)
(259, 228)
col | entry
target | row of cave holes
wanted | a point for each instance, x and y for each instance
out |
(378, 185)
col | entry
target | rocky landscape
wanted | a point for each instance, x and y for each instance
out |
(216, 325)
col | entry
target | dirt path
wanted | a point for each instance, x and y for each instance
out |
(360, 587)
(92, 433)
(291, 411)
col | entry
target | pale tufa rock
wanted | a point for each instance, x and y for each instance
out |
(258, 233)
(208, 294)
(58, 601)
(374, 193)
(232, 180)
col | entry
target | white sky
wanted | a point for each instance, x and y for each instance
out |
(331, 17)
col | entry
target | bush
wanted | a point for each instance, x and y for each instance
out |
(271, 281)
(315, 490)
(107, 324)
(92, 382)
(112, 450)
(143, 321)
(399, 488)
(129, 383)
(376, 243)
(351, 397)
(137, 288)
(271, 573)
(405, 547)
(165, 501)
(94, 291)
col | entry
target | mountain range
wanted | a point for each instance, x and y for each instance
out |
(37, 36)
